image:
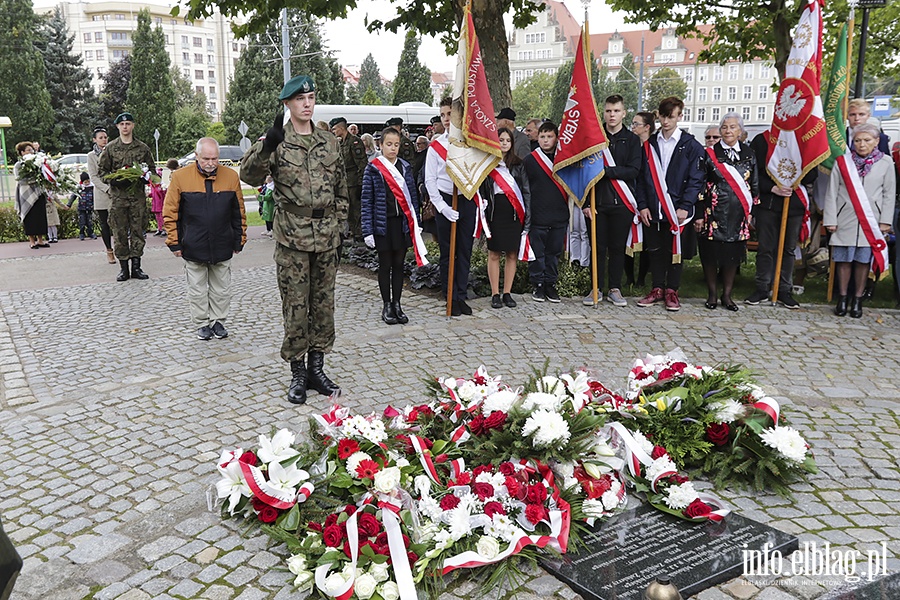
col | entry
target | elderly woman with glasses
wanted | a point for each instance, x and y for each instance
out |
(845, 217)
(712, 136)
(723, 222)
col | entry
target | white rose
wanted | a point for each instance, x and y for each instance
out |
(296, 564)
(304, 581)
(387, 480)
(381, 572)
(450, 383)
(488, 547)
(389, 591)
(349, 571)
(333, 583)
(364, 586)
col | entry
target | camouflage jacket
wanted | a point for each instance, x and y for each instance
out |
(117, 155)
(311, 200)
(355, 159)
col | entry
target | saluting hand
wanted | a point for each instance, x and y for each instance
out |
(275, 135)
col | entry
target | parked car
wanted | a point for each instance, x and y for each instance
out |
(74, 161)
(227, 155)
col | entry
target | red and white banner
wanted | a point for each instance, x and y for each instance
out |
(863, 208)
(665, 200)
(636, 235)
(735, 181)
(397, 184)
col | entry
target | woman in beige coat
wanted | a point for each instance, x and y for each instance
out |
(850, 249)
(101, 191)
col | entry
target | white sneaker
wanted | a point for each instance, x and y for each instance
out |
(589, 299)
(615, 296)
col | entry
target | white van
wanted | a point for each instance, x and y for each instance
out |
(371, 119)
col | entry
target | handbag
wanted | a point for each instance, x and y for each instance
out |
(428, 211)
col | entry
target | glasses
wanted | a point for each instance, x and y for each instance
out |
(714, 137)
(638, 124)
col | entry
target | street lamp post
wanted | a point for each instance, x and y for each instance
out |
(4, 123)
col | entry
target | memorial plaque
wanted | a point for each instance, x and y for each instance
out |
(886, 588)
(625, 553)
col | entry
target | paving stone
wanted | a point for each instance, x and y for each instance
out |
(91, 548)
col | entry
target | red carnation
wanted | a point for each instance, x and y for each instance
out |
(441, 458)
(515, 488)
(369, 525)
(464, 478)
(717, 433)
(367, 469)
(536, 493)
(495, 420)
(268, 514)
(347, 448)
(413, 416)
(535, 513)
(313, 526)
(332, 536)
(665, 374)
(658, 452)
(249, 458)
(483, 490)
(449, 502)
(493, 508)
(679, 367)
(507, 468)
(697, 508)
(482, 469)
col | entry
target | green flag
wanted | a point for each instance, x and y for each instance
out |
(834, 100)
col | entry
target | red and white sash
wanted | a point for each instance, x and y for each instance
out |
(735, 181)
(867, 221)
(397, 184)
(439, 147)
(504, 180)
(806, 226)
(526, 252)
(546, 164)
(665, 200)
(636, 235)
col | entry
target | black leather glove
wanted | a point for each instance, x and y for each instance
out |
(275, 135)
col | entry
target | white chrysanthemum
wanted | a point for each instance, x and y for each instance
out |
(422, 485)
(502, 401)
(787, 441)
(442, 539)
(660, 465)
(501, 527)
(646, 445)
(547, 428)
(541, 400)
(593, 508)
(678, 497)
(354, 460)
(467, 390)
(460, 525)
(429, 507)
(726, 411)
(610, 497)
(754, 391)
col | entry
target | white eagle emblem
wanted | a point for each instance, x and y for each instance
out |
(571, 102)
(790, 104)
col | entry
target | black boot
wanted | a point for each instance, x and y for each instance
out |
(401, 316)
(318, 380)
(856, 307)
(388, 315)
(136, 272)
(840, 308)
(124, 274)
(297, 390)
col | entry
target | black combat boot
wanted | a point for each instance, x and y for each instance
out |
(136, 272)
(297, 391)
(318, 380)
(124, 274)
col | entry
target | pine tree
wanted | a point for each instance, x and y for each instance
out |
(114, 92)
(191, 119)
(369, 98)
(309, 57)
(351, 95)
(151, 94)
(413, 82)
(23, 90)
(72, 98)
(627, 85)
(370, 77)
(253, 95)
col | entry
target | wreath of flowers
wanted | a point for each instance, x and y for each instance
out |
(44, 171)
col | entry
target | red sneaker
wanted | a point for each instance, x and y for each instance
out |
(672, 302)
(655, 295)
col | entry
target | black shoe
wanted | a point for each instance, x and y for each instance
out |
(297, 389)
(316, 377)
(508, 301)
(81, 237)
(840, 309)
(219, 330)
(711, 304)
(388, 315)
(496, 302)
(124, 274)
(455, 310)
(787, 301)
(856, 307)
(757, 297)
(204, 333)
(136, 271)
(550, 293)
(464, 308)
(93, 237)
(538, 294)
(401, 316)
(730, 305)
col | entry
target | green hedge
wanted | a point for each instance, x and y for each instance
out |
(11, 227)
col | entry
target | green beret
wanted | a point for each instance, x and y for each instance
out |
(301, 84)
(336, 121)
(125, 116)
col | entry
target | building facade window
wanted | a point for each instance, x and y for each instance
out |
(748, 71)
(732, 72)
(184, 41)
(198, 74)
(198, 58)
(703, 74)
(687, 113)
(745, 113)
(199, 89)
(701, 94)
(689, 95)
(87, 38)
(88, 55)
(119, 54)
(764, 71)
(717, 94)
(701, 114)
(689, 74)
(118, 36)
(763, 92)
(715, 114)
(198, 42)
(536, 38)
(748, 92)
(101, 55)
(717, 73)
(761, 114)
(98, 36)
(732, 92)
(667, 57)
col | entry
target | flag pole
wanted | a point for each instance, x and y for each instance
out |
(829, 294)
(780, 259)
(452, 255)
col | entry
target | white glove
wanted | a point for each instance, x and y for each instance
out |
(450, 214)
(370, 241)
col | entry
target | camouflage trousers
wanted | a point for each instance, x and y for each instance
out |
(306, 282)
(128, 220)
(354, 217)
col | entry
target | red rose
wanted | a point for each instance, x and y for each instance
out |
(495, 420)
(441, 458)
(332, 536)
(313, 526)
(369, 525)
(381, 539)
(413, 557)
(493, 508)
(257, 504)
(405, 541)
(368, 543)
(507, 468)
(424, 409)
(347, 548)
(383, 549)
(367, 469)
(476, 425)
(268, 514)
(678, 479)
(346, 448)
(349, 509)
(536, 493)
(464, 478)
(407, 444)
(697, 508)
(413, 416)
(535, 513)
(331, 520)
(482, 469)
(717, 433)
(249, 458)
(512, 486)
(449, 502)
(679, 367)
(483, 490)
(658, 452)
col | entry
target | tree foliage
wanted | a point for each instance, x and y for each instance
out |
(627, 84)
(531, 97)
(370, 79)
(114, 91)
(369, 97)
(664, 83)
(23, 90)
(192, 121)
(151, 93)
(413, 82)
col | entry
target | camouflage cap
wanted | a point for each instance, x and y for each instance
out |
(125, 116)
(301, 84)
(336, 121)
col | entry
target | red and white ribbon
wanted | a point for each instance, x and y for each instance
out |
(806, 225)
(271, 495)
(481, 221)
(735, 181)
(345, 591)
(397, 184)
(863, 208)
(665, 200)
(526, 252)
(390, 509)
(424, 457)
(47, 172)
(768, 406)
(636, 233)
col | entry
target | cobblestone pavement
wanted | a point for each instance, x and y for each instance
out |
(112, 416)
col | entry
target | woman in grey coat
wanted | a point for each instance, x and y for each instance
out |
(102, 203)
(850, 249)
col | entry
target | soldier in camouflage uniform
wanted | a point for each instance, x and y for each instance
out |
(407, 148)
(128, 214)
(310, 205)
(355, 161)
